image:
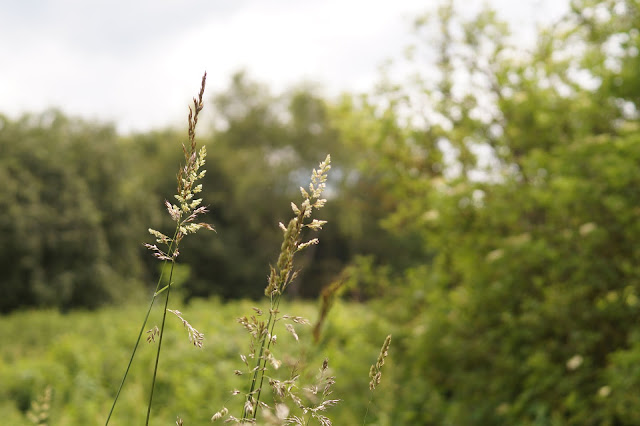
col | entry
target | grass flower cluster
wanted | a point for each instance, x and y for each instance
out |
(184, 214)
(293, 403)
(261, 358)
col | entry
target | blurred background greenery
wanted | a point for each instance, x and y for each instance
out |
(484, 208)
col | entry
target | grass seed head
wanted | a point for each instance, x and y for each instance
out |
(375, 373)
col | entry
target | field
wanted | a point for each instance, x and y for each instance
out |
(82, 356)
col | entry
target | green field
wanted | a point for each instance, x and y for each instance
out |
(82, 356)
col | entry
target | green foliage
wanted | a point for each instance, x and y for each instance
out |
(68, 221)
(541, 274)
(78, 199)
(529, 208)
(81, 354)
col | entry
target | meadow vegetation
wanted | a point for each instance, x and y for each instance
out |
(82, 355)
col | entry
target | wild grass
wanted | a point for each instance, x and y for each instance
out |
(291, 402)
(261, 361)
(81, 355)
(184, 214)
(276, 383)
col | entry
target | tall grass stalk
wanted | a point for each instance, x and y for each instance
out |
(280, 277)
(184, 215)
(263, 337)
(155, 367)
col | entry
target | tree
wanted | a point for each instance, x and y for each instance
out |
(525, 313)
(67, 224)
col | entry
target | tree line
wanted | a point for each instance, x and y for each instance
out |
(78, 197)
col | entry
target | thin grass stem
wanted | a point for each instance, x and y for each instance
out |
(155, 369)
(258, 367)
(184, 215)
(366, 413)
(264, 361)
(135, 347)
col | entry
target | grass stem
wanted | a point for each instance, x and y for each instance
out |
(155, 369)
(135, 347)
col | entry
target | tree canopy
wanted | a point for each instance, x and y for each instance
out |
(521, 179)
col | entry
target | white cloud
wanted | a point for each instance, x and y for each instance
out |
(139, 62)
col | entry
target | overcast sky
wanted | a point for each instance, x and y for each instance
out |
(137, 63)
